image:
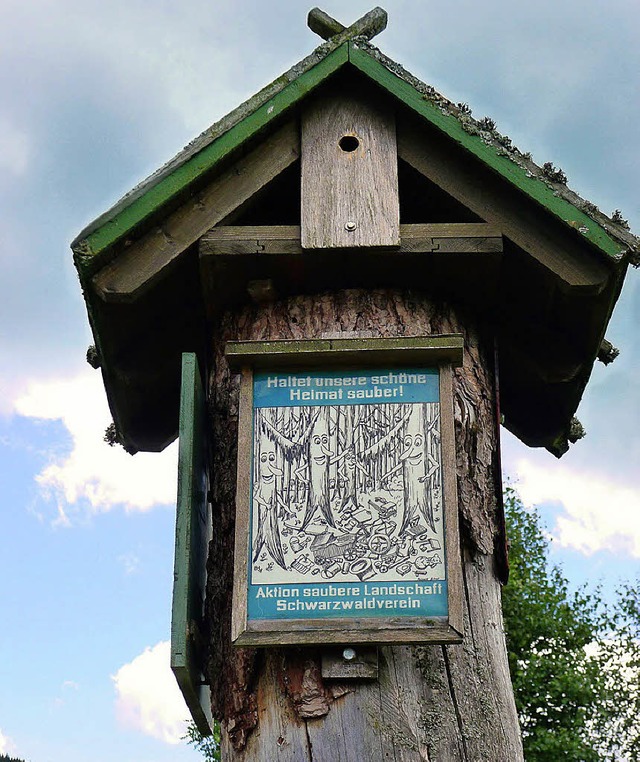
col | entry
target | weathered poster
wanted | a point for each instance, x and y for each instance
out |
(346, 513)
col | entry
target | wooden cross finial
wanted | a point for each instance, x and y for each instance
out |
(368, 26)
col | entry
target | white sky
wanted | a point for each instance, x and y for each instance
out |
(97, 95)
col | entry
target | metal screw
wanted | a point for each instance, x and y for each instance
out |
(350, 226)
(349, 654)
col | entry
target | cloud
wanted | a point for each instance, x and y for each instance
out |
(148, 697)
(93, 474)
(130, 563)
(6, 745)
(599, 514)
(66, 688)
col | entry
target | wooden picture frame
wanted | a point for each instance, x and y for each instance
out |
(346, 492)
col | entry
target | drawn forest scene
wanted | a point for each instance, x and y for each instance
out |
(349, 493)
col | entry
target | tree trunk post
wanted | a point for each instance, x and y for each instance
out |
(440, 702)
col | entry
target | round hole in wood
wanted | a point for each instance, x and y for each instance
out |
(349, 143)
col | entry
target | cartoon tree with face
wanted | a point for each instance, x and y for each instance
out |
(316, 471)
(419, 467)
(266, 497)
(311, 448)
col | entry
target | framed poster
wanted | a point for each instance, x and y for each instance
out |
(346, 526)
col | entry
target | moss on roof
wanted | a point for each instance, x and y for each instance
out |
(478, 137)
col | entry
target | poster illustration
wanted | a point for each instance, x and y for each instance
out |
(346, 515)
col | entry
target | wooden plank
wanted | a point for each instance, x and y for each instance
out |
(193, 530)
(247, 239)
(497, 203)
(347, 663)
(407, 705)
(404, 350)
(422, 631)
(352, 729)
(450, 238)
(450, 495)
(243, 504)
(349, 174)
(144, 261)
(323, 24)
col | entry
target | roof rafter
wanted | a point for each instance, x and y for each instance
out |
(144, 261)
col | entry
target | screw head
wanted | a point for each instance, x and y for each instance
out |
(350, 226)
(349, 654)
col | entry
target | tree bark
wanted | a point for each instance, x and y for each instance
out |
(430, 702)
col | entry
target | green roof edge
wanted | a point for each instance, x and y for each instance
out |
(534, 187)
(94, 241)
(177, 181)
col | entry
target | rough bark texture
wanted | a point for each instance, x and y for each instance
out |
(430, 703)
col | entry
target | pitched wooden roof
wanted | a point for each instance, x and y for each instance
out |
(141, 279)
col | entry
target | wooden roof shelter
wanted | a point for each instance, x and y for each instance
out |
(236, 215)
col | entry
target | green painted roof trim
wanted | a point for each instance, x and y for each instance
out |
(451, 126)
(171, 186)
(178, 181)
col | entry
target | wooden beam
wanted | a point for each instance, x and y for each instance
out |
(450, 238)
(461, 261)
(365, 352)
(325, 26)
(491, 199)
(143, 262)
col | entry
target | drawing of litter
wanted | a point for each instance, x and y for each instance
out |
(355, 489)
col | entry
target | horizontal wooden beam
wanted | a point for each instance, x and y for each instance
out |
(449, 238)
(142, 263)
(413, 630)
(431, 350)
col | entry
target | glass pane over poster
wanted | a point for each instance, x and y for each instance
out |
(346, 512)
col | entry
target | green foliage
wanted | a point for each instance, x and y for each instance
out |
(574, 661)
(616, 728)
(208, 746)
(5, 758)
